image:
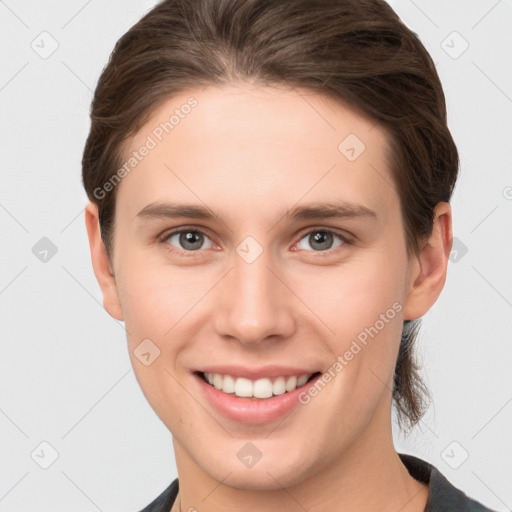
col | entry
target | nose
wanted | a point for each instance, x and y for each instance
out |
(254, 304)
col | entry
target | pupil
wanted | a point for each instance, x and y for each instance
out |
(321, 237)
(188, 239)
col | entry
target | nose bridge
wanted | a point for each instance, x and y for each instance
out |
(254, 306)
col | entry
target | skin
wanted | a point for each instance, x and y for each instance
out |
(251, 153)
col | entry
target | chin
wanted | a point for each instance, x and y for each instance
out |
(260, 481)
(270, 475)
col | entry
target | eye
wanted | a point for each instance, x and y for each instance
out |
(188, 240)
(193, 240)
(321, 240)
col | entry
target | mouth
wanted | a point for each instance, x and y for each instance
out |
(258, 400)
(256, 389)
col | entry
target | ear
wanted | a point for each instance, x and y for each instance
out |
(428, 270)
(101, 263)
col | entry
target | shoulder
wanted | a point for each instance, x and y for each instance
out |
(165, 501)
(443, 496)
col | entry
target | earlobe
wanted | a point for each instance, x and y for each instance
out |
(101, 263)
(428, 272)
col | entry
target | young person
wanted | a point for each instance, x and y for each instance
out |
(269, 187)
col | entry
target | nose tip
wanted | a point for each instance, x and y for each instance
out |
(253, 305)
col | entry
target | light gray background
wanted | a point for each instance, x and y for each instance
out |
(65, 375)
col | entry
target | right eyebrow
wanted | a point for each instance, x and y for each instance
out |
(168, 210)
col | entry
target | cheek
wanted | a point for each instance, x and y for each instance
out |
(157, 303)
(352, 297)
(362, 303)
(156, 297)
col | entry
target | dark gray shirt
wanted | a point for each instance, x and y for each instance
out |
(442, 497)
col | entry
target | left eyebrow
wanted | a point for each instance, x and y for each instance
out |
(338, 210)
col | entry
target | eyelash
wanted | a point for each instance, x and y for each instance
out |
(164, 239)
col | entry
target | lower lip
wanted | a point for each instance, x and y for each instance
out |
(247, 410)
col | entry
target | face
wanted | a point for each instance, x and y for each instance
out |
(261, 238)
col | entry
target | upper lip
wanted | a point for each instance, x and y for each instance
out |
(256, 373)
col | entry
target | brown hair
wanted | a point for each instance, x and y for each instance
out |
(357, 52)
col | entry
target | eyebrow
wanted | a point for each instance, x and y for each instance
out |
(330, 210)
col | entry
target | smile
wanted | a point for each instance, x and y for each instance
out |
(259, 388)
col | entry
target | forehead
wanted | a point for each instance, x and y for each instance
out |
(250, 143)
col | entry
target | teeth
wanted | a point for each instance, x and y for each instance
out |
(302, 380)
(228, 384)
(291, 383)
(279, 386)
(261, 388)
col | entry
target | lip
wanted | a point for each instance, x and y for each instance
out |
(252, 411)
(269, 371)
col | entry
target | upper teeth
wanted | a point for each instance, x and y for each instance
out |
(261, 388)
